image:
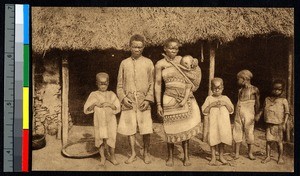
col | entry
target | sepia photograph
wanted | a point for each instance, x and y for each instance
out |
(162, 89)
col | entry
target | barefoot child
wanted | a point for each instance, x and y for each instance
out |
(135, 92)
(276, 113)
(247, 107)
(104, 104)
(218, 107)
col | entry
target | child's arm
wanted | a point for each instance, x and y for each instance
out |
(188, 88)
(260, 112)
(257, 103)
(90, 103)
(286, 112)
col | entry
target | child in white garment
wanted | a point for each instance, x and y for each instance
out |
(104, 104)
(218, 107)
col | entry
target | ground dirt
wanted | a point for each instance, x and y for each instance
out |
(50, 157)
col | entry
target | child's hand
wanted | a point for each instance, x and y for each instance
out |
(109, 105)
(214, 104)
(283, 126)
(98, 104)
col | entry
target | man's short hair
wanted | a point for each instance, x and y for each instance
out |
(137, 37)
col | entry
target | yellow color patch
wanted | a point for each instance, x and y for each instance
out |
(25, 108)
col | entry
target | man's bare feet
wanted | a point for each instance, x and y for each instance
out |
(113, 160)
(280, 161)
(186, 162)
(251, 156)
(223, 160)
(169, 162)
(213, 162)
(131, 159)
(147, 159)
(267, 159)
(102, 161)
(236, 156)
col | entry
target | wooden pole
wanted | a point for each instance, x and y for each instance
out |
(65, 105)
(212, 54)
(290, 84)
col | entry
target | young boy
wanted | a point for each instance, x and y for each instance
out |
(104, 104)
(276, 114)
(218, 107)
(135, 91)
(247, 107)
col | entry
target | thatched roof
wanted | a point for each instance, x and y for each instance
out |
(111, 27)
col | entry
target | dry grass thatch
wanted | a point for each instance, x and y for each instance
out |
(110, 27)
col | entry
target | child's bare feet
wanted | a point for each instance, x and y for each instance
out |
(147, 159)
(213, 162)
(267, 159)
(102, 161)
(130, 159)
(186, 162)
(169, 162)
(251, 156)
(113, 160)
(280, 161)
(223, 160)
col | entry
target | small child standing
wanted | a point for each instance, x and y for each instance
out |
(246, 109)
(218, 107)
(104, 104)
(276, 113)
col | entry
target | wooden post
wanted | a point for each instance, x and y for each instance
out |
(290, 85)
(212, 54)
(65, 105)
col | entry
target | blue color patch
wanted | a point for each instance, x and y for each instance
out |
(26, 23)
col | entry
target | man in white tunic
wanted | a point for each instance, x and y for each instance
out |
(135, 91)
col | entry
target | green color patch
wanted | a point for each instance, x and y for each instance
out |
(26, 66)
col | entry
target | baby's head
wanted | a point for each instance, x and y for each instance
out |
(244, 76)
(102, 81)
(277, 88)
(217, 86)
(188, 62)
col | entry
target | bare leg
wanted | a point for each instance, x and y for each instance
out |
(170, 161)
(146, 140)
(280, 153)
(112, 157)
(132, 158)
(237, 150)
(268, 152)
(250, 149)
(102, 155)
(221, 149)
(186, 158)
(213, 156)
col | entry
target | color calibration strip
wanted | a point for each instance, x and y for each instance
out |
(21, 124)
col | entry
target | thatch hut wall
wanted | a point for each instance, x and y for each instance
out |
(93, 37)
